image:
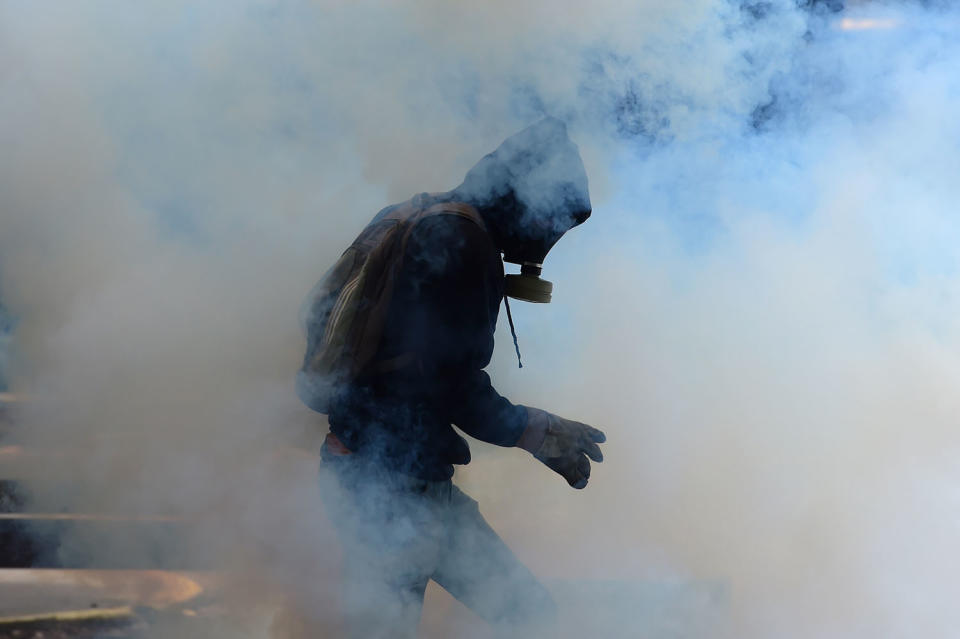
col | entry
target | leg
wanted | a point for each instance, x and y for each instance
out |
(378, 605)
(479, 569)
(390, 540)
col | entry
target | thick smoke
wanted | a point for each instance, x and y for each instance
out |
(760, 313)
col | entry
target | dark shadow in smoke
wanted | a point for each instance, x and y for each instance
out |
(630, 110)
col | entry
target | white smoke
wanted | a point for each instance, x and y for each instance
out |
(760, 313)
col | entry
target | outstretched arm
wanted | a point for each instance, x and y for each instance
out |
(458, 287)
(455, 286)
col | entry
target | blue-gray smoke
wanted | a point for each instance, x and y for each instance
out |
(761, 312)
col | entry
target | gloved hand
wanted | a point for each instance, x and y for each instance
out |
(562, 444)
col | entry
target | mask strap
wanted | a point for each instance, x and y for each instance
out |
(513, 331)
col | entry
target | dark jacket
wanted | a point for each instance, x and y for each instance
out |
(445, 307)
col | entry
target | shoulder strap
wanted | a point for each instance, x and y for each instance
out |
(411, 213)
(420, 206)
(460, 209)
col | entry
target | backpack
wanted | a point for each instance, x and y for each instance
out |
(347, 309)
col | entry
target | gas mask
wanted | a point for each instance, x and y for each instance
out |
(529, 253)
(528, 286)
(530, 190)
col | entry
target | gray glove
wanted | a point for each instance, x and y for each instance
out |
(562, 444)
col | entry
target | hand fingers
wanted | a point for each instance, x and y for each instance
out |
(593, 433)
(581, 473)
(583, 466)
(596, 435)
(591, 449)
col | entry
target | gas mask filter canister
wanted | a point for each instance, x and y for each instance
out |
(528, 286)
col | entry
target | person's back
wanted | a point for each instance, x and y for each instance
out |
(444, 311)
(390, 453)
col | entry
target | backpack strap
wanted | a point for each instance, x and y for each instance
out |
(459, 209)
(420, 206)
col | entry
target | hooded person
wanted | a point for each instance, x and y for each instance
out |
(389, 457)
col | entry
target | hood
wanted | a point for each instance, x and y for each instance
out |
(530, 191)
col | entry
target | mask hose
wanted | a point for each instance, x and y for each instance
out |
(513, 331)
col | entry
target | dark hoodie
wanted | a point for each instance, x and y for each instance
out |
(529, 191)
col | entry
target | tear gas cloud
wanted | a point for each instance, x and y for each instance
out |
(761, 312)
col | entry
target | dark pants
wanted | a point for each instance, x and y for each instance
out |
(399, 532)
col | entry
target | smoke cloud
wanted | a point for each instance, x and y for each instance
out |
(761, 313)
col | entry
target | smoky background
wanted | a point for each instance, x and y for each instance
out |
(761, 313)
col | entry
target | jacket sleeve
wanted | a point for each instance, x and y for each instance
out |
(455, 283)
